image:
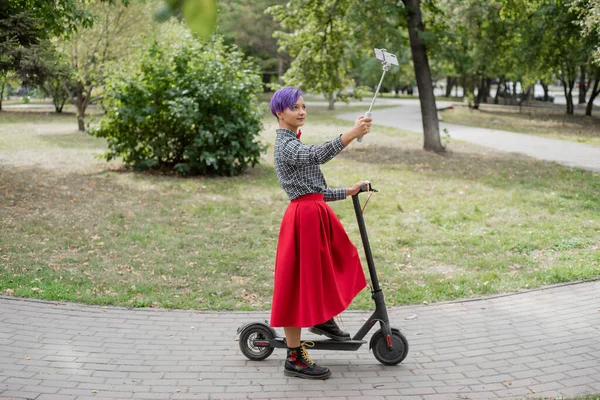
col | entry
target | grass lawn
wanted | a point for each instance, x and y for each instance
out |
(467, 223)
(545, 122)
(583, 397)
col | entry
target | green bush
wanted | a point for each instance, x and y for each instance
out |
(190, 107)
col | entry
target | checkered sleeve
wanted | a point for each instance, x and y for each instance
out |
(297, 153)
(333, 194)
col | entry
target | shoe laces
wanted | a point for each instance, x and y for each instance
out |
(305, 355)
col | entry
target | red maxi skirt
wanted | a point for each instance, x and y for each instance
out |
(317, 268)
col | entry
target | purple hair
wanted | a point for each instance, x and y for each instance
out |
(284, 98)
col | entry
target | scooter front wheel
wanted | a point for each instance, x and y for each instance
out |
(252, 341)
(380, 347)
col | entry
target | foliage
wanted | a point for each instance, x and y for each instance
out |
(245, 24)
(553, 41)
(27, 23)
(589, 20)
(368, 72)
(317, 37)
(191, 107)
(332, 43)
(52, 18)
(90, 50)
(46, 68)
(199, 15)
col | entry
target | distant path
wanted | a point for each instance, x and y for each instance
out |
(408, 117)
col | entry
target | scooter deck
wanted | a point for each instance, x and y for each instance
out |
(322, 344)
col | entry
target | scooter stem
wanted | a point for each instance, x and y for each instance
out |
(365, 240)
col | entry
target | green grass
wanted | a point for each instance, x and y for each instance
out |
(543, 122)
(467, 223)
(583, 397)
(35, 117)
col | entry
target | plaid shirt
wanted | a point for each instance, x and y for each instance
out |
(297, 166)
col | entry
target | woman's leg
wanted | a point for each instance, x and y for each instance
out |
(292, 336)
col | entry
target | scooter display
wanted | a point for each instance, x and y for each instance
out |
(258, 340)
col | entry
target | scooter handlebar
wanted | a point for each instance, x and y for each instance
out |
(367, 187)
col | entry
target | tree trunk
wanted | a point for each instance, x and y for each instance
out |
(2, 93)
(81, 97)
(431, 129)
(488, 87)
(280, 69)
(61, 105)
(331, 102)
(590, 104)
(595, 92)
(481, 92)
(525, 97)
(498, 89)
(450, 84)
(545, 87)
(58, 96)
(582, 85)
(568, 89)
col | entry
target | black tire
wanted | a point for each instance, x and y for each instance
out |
(249, 334)
(399, 347)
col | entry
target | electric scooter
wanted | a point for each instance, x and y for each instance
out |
(390, 347)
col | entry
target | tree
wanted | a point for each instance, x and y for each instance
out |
(595, 89)
(44, 67)
(7, 78)
(416, 28)
(25, 24)
(564, 49)
(116, 29)
(547, 41)
(19, 31)
(324, 35)
(245, 24)
(52, 18)
(588, 12)
(317, 38)
(191, 107)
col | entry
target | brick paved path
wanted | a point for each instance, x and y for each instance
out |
(534, 344)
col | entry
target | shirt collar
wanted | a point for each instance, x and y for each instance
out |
(285, 131)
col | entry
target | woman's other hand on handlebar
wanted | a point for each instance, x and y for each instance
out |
(356, 188)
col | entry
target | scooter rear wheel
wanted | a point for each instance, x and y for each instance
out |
(252, 333)
(380, 349)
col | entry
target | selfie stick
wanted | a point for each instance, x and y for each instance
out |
(387, 62)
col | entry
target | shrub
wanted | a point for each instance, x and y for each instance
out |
(190, 107)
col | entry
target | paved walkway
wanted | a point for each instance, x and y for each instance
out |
(408, 117)
(541, 343)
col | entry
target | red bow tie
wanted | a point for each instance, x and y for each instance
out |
(299, 134)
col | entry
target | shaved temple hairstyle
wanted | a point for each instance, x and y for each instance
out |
(284, 98)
